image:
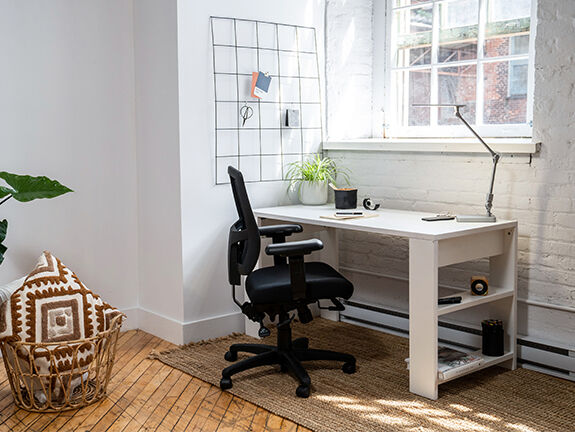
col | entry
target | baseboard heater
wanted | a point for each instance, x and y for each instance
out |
(532, 354)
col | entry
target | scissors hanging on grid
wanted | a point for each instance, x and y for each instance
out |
(246, 112)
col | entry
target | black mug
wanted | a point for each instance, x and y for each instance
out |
(345, 198)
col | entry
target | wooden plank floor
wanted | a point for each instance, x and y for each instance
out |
(147, 395)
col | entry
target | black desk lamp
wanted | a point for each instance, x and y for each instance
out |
(489, 217)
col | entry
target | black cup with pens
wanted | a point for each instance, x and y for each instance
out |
(345, 198)
(492, 331)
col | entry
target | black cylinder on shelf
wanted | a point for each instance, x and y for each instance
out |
(492, 331)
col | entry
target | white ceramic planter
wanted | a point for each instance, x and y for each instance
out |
(313, 193)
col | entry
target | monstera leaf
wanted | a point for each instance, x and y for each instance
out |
(3, 229)
(25, 188)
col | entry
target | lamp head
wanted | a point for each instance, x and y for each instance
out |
(456, 107)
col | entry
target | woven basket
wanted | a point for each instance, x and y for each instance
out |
(77, 371)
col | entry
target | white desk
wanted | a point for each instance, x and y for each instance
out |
(431, 245)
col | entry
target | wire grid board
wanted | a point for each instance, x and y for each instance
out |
(264, 147)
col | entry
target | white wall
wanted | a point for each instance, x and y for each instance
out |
(115, 99)
(207, 209)
(349, 67)
(539, 193)
(160, 235)
(67, 111)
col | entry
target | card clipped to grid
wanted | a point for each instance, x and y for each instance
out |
(260, 84)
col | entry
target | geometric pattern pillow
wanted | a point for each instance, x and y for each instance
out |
(53, 305)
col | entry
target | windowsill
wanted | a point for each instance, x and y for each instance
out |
(435, 145)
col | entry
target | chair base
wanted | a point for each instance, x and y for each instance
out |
(288, 354)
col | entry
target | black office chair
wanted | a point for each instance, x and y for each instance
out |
(278, 290)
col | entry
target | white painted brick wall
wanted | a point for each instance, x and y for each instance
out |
(349, 67)
(539, 193)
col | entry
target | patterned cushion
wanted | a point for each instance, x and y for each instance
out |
(54, 306)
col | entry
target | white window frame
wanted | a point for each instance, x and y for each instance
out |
(383, 61)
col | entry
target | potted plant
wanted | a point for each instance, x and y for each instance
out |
(25, 188)
(311, 178)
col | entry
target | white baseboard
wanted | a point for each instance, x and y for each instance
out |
(161, 326)
(213, 327)
(131, 321)
(179, 332)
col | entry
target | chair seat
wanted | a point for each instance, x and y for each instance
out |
(272, 284)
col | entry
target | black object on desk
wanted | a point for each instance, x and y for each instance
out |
(345, 198)
(368, 205)
(492, 331)
(449, 300)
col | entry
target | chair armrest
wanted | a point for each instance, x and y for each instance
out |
(283, 230)
(289, 249)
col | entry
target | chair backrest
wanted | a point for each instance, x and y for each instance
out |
(244, 237)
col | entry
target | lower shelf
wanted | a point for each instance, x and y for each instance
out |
(487, 362)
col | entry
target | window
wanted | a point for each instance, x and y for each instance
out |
(518, 68)
(472, 52)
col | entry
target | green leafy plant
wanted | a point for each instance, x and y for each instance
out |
(317, 169)
(25, 188)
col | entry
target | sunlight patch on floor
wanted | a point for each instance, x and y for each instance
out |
(358, 407)
(520, 427)
(487, 417)
(391, 420)
(461, 408)
(400, 404)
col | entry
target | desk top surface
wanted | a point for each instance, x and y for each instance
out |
(391, 222)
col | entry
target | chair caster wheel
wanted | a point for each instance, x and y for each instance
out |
(225, 383)
(302, 391)
(231, 356)
(348, 368)
(301, 344)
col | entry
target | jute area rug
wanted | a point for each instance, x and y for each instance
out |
(376, 397)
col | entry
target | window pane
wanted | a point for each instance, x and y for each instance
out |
(505, 10)
(457, 86)
(399, 3)
(413, 87)
(505, 92)
(507, 30)
(413, 30)
(414, 56)
(459, 23)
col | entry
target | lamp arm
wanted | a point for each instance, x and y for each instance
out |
(460, 117)
(489, 199)
(496, 156)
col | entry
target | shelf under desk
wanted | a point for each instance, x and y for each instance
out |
(468, 300)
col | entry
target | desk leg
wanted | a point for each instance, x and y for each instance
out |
(423, 279)
(503, 273)
(330, 255)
